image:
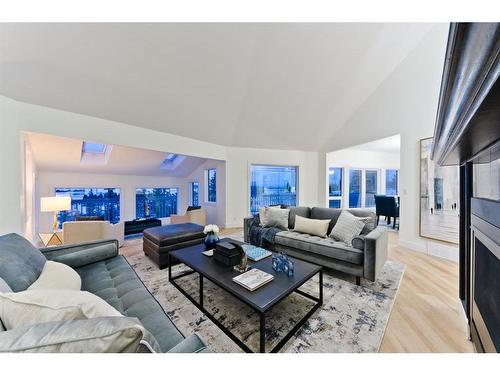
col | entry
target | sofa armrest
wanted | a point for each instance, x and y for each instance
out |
(376, 246)
(247, 223)
(191, 344)
(78, 255)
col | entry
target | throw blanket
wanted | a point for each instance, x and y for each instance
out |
(262, 236)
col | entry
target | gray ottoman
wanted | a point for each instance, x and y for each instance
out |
(158, 241)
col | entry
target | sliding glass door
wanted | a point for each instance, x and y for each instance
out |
(355, 184)
(363, 186)
(371, 187)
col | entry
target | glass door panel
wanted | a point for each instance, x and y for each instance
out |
(370, 188)
(355, 188)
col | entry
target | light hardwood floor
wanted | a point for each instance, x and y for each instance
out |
(425, 316)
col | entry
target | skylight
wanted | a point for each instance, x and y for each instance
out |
(171, 157)
(94, 148)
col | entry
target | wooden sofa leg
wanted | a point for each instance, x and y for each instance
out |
(358, 280)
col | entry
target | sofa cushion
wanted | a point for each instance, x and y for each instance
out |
(311, 226)
(347, 227)
(57, 275)
(326, 247)
(333, 214)
(98, 335)
(174, 233)
(115, 281)
(301, 211)
(20, 262)
(276, 217)
(49, 305)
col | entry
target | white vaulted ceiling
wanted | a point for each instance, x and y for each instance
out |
(281, 86)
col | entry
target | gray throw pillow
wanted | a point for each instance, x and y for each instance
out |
(20, 262)
(276, 217)
(347, 227)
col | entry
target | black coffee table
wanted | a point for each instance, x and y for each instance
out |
(261, 300)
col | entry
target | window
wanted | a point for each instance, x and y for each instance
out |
(355, 188)
(94, 148)
(103, 202)
(194, 194)
(211, 185)
(272, 185)
(391, 182)
(363, 186)
(371, 185)
(335, 187)
(155, 202)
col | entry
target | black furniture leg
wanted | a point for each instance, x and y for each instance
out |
(358, 280)
(394, 223)
(378, 218)
(321, 287)
(201, 290)
(262, 332)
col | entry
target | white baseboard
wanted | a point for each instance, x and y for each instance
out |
(437, 249)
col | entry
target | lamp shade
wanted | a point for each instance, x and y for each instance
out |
(52, 204)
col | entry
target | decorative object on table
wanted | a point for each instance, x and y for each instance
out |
(253, 279)
(282, 263)
(288, 267)
(55, 204)
(212, 237)
(255, 253)
(278, 261)
(243, 266)
(208, 253)
(439, 197)
(227, 253)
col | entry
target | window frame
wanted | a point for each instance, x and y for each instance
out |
(191, 192)
(156, 187)
(249, 181)
(206, 185)
(363, 185)
(342, 181)
(118, 187)
(397, 181)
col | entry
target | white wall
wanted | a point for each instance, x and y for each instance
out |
(406, 104)
(16, 117)
(216, 212)
(48, 181)
(352, 158)
(29, 190)
(238, 186)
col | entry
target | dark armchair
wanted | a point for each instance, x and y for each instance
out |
(387, 206)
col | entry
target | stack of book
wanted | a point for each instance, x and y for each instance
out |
(253, 279)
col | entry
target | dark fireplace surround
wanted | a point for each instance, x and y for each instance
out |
(467, 134)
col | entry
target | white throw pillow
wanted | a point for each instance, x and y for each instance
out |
(48, 305)
(313, 227)
(347, 227)
(57, 275)
(276, 217)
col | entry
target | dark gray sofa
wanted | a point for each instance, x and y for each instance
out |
(103, 273)
(365, 258)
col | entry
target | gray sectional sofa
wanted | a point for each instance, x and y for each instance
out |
(104, 273)
(364, 258)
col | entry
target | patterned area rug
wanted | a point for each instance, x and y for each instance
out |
(352, 319)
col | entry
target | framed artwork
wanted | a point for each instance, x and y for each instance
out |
(439, 197)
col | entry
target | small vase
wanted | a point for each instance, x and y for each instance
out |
(210, 240)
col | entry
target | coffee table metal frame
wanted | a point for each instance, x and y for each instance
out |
(262, 314)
